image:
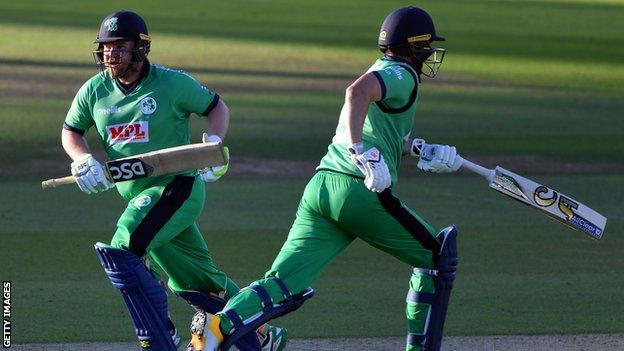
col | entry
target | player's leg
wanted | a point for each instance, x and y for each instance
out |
(158, 214)
(193, 275)
(313, 242)
(285, 288)
(151, 219)
(266, 338)
(145, 297)
(187, 261)
(396, 229)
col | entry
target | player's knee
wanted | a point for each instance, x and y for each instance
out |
(119, 243)
(446, 262)
(202, 301)
(275, 287)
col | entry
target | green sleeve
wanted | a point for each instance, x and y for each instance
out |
(193, 97)
(397, 85)
(79, 115)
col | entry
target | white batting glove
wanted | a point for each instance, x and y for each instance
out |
(212, 174)
(90, 175)
(371, 163)
(435, 158)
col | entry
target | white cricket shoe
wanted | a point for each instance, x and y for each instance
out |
(275, 338)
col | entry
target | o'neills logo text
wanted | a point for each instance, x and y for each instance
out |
(137, 132)
(6, 314)
(107, 111)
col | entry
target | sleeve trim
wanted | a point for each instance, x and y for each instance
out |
(73, 129)
(411, 100)
(382, 84)
(212, 105)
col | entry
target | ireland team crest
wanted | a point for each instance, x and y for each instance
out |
(111, 24)
(142, 201)
(148, 105)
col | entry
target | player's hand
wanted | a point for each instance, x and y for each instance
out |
(371, 163)
(212, 174)
(435, 158)
(90, 175)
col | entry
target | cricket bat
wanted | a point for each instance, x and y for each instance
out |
(551, 202)
(155, 163)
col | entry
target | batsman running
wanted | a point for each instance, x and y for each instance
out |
(350, 196)
(136, 107)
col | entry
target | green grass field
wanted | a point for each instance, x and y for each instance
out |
(522, 80)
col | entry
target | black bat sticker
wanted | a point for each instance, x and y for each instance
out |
(128, 169)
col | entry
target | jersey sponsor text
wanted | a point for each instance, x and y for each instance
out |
(394, 70)
(137, 132)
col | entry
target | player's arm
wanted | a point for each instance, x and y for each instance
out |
(218, 120)
(218, 124)
(74, 143)
(89, 173)
(358, 96)
(434, 158)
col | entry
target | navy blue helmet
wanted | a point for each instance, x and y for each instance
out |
(124, 25)
(409, 32)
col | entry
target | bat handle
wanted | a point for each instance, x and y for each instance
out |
(478, 169)
(53, 183)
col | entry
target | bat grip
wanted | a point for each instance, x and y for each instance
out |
(478, 169)
(53, 183)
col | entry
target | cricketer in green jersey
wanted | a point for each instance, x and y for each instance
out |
(350, 197)
(135, 107)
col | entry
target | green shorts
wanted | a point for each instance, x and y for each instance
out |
(160, 223)
(334, 210)
(337, 208)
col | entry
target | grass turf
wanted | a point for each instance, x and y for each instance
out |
(520, 272)
(537, 78)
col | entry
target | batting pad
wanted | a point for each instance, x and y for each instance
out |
(270, 310)
(145, 298)
(205, 302)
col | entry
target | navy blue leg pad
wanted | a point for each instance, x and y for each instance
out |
(202, 301)
(212, 304)
(446, 266)
(270, 311)
(145, 298)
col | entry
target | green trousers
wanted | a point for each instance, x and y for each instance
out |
(160, 223)
(335, 209)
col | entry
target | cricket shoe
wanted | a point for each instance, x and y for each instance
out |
(274, 339)
(205, 332)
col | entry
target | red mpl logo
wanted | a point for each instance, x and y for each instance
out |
(137, 132)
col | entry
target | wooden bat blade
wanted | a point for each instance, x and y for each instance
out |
(166, 161)
(559, 206)
(551, 202)
(184, 158)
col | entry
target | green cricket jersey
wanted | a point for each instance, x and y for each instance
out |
(388, 123)
(153, 116)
